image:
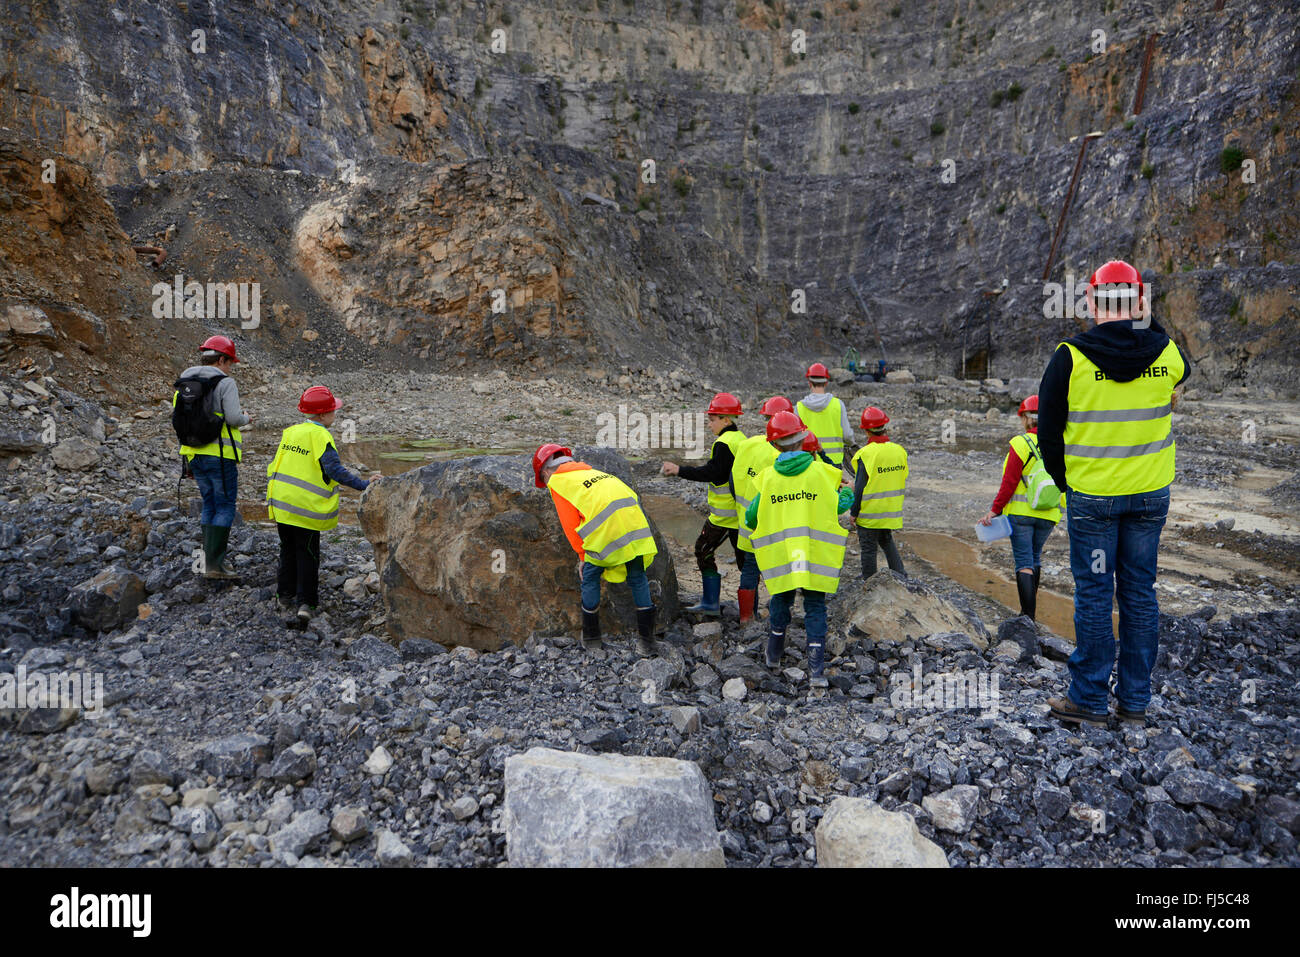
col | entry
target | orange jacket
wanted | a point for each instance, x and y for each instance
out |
(570, 517)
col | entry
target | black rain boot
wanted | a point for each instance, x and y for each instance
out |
(645, 628)
(775, 648)
(591, 629)
(1025, 587)
(817, 665)
(1038, 573)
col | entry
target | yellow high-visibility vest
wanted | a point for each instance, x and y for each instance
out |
(298, 493)
(882, 500)
(1119, 435)
(228, 445)
(828, 426)
(798, 542)
(722, 506)
(752, 456)
(614, 530)
(1019, 503)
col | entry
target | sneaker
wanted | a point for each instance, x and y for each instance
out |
(818, 681)
(305, 613)
(1066, 710)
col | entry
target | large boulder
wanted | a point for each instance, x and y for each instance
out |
(889, 607)
(565, 809)
(856, 832)
(107, 600)
(470, 552)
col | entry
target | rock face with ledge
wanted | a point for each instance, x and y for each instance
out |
(565, 809)
(470, 552)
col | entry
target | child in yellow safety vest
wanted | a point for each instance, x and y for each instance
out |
(602, 519)
(722, 522)
(825, 416)
(1029, 526)
(302, 498)
(797, 539)
(753, 455)
(880, 480)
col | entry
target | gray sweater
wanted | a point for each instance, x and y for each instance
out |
(225, 396)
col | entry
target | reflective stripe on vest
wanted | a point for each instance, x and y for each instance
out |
(799, 542)
(294, 493)
(1119, 435)
(1019, 502)
(298, 510)
(617, 530)
(827, 425)
(752, 456)
(886, 466)
(722, 506)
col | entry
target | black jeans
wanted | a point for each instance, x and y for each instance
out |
(711, 536)
(868, 539)
(299, 564)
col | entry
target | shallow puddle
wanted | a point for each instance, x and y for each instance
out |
(674, 518)
(962, 562)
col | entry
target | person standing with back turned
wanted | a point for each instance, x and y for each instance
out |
(205, 410)
(880, 486)
(825, 416)
(1029, 526)
(723, 521)
(1105, 428)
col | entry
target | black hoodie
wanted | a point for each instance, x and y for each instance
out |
(1120, 350)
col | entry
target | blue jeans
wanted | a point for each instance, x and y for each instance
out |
(1028, 534)
(218, 498)
(1114, 541)
(814, 613)
(636, 580)
(748, 569)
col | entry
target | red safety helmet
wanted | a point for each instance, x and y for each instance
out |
(817, 371)
(1029, 405)
(220, 344)
(778, 403)
(783, 425)
(540, 457)
(318, 400)
(810, 443)
(1116, 273)
(873, 418)
(724, 403)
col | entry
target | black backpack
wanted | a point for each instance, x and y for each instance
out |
(192, 417)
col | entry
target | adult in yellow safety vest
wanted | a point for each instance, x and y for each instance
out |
(302, 498)
(880, 483)
(722, 521)
(602, 519)
(826, 416)
(753, 454)
(1029, 526)
(207, 419)
(797, 539)
(1105, 428)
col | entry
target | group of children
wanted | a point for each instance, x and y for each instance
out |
(777, 496)
(302, 480)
